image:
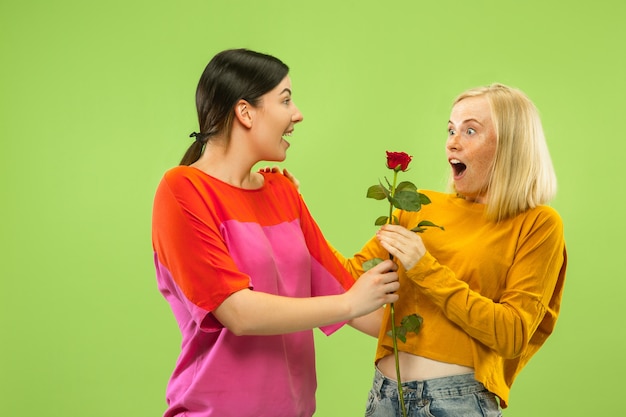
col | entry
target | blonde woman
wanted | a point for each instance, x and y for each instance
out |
(489, 286)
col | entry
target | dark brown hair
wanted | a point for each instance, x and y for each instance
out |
(231, 75)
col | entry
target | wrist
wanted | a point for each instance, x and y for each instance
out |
(345, 306)
(418, 269)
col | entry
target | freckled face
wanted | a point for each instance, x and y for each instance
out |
(275, 118)
(471, 147)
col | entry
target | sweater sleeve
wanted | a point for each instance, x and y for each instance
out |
(506, 325)
(354, 265)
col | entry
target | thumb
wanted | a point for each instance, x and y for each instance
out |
(385, 266)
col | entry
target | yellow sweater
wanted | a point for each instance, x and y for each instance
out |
(489, 293)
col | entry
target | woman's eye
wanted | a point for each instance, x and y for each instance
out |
(451, 132)
(470, 131)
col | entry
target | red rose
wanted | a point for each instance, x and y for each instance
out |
(398, 161)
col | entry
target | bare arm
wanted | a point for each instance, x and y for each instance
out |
(249, 312)
(369, 324)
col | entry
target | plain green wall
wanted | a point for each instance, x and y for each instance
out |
(96, 102)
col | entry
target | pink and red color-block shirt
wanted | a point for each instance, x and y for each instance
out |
(210, 240)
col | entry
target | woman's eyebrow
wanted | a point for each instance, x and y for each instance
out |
(466, 121)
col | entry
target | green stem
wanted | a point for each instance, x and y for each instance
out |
(392, 194)
(393, 311)
(395, 353)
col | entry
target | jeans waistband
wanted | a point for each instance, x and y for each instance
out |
(445, 387)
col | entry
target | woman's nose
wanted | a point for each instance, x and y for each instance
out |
(297, 117)
(453, 142)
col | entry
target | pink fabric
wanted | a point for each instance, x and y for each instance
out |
(218, 373)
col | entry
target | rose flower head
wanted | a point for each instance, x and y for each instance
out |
(398, 161)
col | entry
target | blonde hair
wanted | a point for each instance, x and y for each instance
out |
(522, 175)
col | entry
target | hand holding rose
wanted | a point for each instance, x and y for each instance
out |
(405, 245)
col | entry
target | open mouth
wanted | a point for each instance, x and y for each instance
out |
(458, 167)
(287, 135)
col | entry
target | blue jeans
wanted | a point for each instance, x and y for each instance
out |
(452, 396)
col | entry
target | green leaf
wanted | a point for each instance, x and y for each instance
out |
(421, 226)
(409, 324)
(381, 220)
(406, 186)
(424, 198)
(407, 201)
(367, 265)
(377, 192)
(401, 334)
(429, 223)
(386, 190)
(412, 323)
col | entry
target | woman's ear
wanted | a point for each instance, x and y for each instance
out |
(244, 112)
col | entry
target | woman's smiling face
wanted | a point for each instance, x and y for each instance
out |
(471, 147)
(275, 117)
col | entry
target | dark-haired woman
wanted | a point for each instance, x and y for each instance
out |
(245, 268)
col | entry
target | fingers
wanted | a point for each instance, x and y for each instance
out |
(389, 289)
(387, 270)
(388, 282)
(393, 286)
(291, 178)
(276, 169)
(375, 288)
(273, 169)
(396, 242)
(385, 266)
(403, 244)
(391, 298)
(396, 230)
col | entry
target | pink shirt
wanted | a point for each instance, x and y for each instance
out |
(212, 239)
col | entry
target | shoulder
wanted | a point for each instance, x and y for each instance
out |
(544, 214)
(541, 220)
(184, 184)
(436, 196)
(180, 174)
(277, 181)
(186, 180)
(437, 200)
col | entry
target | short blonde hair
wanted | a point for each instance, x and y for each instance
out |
(522, 175)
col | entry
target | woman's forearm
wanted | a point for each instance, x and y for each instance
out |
(369, 324)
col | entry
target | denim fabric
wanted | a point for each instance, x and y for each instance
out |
(452, 396)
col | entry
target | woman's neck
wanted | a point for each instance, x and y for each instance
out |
(217, 162)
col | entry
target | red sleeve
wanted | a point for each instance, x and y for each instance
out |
(322, 252)
(188, 242)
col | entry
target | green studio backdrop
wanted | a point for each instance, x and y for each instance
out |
(97, 101)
